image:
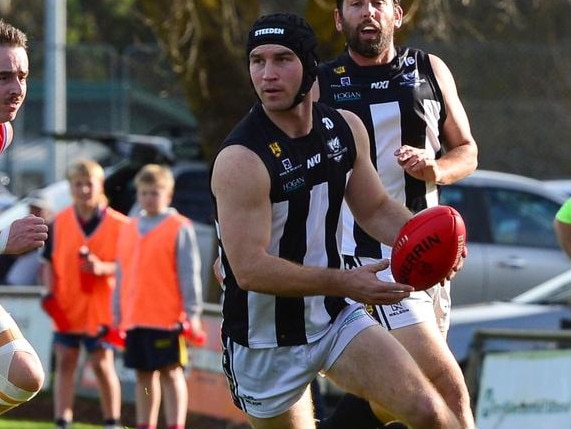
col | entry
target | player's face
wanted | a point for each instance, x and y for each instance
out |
(276, 74)
(86, 191)
(368, 25)
(13, 75)
(153, 199)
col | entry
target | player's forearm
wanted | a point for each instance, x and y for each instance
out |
(277, 276)
(386, 221)
(457, 163)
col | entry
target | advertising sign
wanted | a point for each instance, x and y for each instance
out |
(522, 390)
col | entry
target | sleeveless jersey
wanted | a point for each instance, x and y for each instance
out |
(400, 103)
(86, 309)
(150, 292)
(308, 179)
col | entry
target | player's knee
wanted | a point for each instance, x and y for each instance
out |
(21, 372)
(429, 413)
(26, 372)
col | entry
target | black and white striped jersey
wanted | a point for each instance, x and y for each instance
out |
(400, 103)
(308, 179)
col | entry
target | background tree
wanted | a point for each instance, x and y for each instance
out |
(509, 58)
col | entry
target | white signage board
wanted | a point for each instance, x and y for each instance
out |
(520, 390)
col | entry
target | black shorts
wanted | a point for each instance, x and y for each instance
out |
(153, 349)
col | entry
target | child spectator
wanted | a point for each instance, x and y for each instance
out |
(80, 287)
(158, 291)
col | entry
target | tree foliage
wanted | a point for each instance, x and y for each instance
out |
(204, 39)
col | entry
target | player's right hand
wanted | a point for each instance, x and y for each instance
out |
(26, 234)
(367, 288)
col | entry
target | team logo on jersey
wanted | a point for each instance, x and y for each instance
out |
(276, 149)
(339, 70)
(345, 81)
(336, 151)
(412, 79)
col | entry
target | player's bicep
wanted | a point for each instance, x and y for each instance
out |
(456, 126)
(241, 185)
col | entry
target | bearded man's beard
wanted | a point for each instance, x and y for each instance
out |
(370, 48)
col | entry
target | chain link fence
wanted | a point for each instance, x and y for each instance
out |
(517, 96)
(518, 99)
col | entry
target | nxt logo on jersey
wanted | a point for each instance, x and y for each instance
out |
(313, 161)
(347, 96)
(383, 84)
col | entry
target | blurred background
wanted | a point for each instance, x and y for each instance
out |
(100, 69)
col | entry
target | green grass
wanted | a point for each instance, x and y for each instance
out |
(29, 424)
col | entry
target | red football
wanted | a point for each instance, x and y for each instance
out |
(428, 246)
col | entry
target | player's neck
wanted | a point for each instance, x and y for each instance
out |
(295, 122)
(384, 57)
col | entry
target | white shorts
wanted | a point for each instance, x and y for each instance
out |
(267, 382)
(431, 305)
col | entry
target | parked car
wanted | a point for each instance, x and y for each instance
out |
(511, 243)
(544, 307)
(563, 186)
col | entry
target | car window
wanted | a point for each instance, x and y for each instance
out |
(467, 200)
(192, 196)
(521, 219)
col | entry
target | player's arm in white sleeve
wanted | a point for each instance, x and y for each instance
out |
(189, 272)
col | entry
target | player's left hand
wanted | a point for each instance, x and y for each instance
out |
(458, 266)
(418, 163)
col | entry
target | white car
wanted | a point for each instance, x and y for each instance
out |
(544, 307)
(511, 242)
(191, 198)
(563, 186)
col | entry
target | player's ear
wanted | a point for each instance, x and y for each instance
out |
(399, 14)
(337, 18)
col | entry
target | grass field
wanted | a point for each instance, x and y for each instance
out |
(29, 424)
(38, 414)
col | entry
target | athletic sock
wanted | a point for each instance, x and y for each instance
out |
(351, 412)
(175, 427)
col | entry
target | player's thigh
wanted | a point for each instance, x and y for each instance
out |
(299, 416)
(429, 349)
(377, 367)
